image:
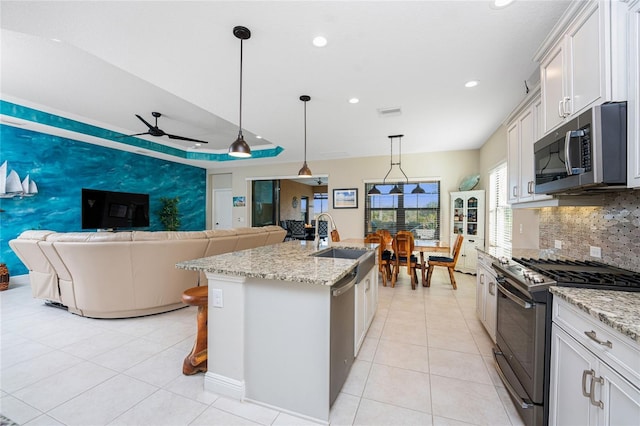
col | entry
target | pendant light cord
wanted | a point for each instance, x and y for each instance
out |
(399, 159)
(240, 131)
(305, 132)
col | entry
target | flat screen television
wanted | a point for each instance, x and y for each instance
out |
(113, 210)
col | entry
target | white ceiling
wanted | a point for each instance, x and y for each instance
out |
(120, 58)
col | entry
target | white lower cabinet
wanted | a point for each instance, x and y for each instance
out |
(486, 294)
(591, 383)
(365, 306)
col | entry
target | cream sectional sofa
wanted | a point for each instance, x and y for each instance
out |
(125, 274)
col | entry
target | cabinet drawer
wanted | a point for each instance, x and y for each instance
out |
(621, 353)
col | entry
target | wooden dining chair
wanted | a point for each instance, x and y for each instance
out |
(388, 239)
(384, 256)
(403, 247)
(447, 262)
(386, 235)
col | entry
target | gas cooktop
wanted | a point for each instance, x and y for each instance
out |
(575, 273)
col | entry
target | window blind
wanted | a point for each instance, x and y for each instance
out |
(500, 219)
(418, 213)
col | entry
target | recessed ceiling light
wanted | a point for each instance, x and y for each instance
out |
(354, 100)
(471, 83)
(57, 40)
(319, 41)
(502, 3)
(258, 137)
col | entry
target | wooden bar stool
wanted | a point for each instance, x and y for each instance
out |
(196, 361)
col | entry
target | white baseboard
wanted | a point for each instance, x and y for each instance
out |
(224, 385)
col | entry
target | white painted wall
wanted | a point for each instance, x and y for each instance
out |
(492, 153)
(450, 166)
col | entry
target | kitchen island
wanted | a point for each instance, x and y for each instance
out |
(270, 324)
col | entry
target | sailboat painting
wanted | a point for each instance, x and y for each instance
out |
(10, 185)
(29, 187)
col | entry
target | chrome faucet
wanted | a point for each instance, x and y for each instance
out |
(316, 239)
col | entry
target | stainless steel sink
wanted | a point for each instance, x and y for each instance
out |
(341, 253)
(366, 259)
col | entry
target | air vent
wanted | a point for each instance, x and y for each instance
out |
(388, 112)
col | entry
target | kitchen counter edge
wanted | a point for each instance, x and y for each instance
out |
(619, 310)
(289, 261)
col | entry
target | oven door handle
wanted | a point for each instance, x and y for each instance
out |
(522, 303)
(524, 403)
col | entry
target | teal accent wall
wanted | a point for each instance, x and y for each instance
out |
(46, 118)
(62, 167)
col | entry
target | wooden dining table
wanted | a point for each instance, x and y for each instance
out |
(420, 246)
(428, 246)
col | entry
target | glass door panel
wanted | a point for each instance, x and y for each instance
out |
(265, 202)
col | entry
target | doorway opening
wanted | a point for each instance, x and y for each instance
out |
(279, 199)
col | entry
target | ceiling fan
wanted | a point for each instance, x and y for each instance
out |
(156, 131)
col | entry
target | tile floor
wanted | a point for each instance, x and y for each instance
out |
(426, 360)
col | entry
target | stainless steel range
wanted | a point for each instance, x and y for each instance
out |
(522, 354)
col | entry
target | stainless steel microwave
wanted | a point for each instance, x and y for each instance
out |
(588, 152)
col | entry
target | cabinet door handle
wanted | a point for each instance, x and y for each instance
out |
(592, 335)
(515, 191)
(530, 187)
(566, 101)
(560, 112)
(492, 288)
(482, 279)
(592, 400)
(586, 373)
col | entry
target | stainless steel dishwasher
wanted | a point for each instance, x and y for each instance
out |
(342, 331)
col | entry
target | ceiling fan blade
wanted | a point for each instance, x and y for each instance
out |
(145, 122)
(182, 138)
(138, 134)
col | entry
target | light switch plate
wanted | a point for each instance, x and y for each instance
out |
(558, 244)
(595, 251)
(216, 298)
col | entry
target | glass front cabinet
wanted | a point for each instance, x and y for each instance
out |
(467, 218)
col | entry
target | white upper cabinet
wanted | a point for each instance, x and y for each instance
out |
(585, 64)
(523, 129)
(552, 78)
(633, 98)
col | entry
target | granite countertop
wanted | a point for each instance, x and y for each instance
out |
(288, 261)
(619, 310)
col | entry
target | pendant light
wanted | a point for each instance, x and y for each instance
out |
(418, 190)
(374, 191)
(396, 190)
(240, 148)
(305, 170)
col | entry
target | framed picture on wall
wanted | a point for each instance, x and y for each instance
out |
(345, 198)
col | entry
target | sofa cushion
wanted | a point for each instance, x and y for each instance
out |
(89, 237)
(251, 238)
(35, 234)
(168, 235)
(214, 233)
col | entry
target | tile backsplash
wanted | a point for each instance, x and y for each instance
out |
(614, 227)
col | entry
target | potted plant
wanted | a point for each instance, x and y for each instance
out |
(169, 214)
